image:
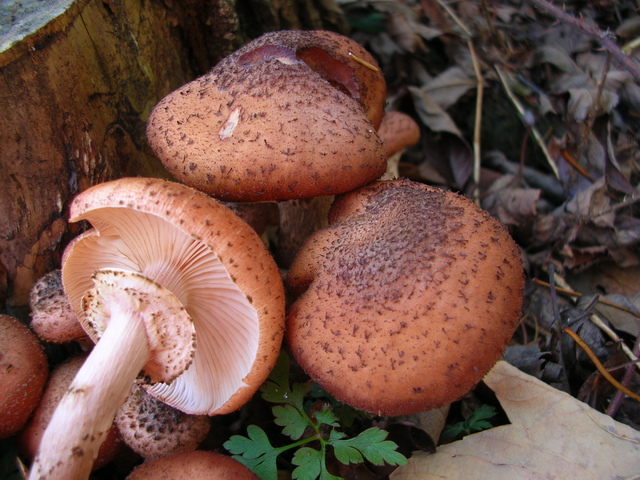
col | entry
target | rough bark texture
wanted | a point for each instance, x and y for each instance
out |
(75, 94)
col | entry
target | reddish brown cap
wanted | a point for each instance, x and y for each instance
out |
(52, 318)
(153, 429)
(292, 114)
(398, 131)
(407, 298)
(23, 373)
(198, 465)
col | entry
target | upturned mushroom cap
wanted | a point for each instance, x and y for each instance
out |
(406, 300)
(213, 262)
(153, 429)
(23, 373)
(197, 465)
(292, 114)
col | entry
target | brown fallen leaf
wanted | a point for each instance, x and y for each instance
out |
(551, 436)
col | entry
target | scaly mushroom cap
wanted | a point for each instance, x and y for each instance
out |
(153, 429)
(291, 114)
(407, 299)
(23, 373)
(52, 318)
(398, 131)
(198, 465)
(209, 259)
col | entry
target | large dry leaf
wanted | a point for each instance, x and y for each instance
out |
(551, 436)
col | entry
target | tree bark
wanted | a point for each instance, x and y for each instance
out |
(78, 81)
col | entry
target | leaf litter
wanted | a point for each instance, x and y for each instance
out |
(559, 165)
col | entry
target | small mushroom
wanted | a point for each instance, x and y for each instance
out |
(197, 465)
(172, 284)
(406, 300)
(292, 114)
(23, 374)
(153, 429)
(52, 318)
(398, 131)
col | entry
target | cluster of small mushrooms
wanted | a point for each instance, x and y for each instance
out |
(401, 303)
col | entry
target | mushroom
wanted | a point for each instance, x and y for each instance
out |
(153, 429)
(292, 114)
(406, 300)
(164, 268)
(59, 380)
(194, 465)
(23, 374)
(52, 318)
(398, 131)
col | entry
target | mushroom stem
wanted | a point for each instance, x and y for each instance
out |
(84, 416)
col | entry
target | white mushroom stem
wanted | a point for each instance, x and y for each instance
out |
(83, 417)
(143, 326)
(393, 166)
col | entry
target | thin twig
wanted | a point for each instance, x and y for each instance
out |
(477, 124)
(558, 328)
(598, 322)
(578, 294)
(629, 372)
(602, 37)
(523, 114)
(603, 371)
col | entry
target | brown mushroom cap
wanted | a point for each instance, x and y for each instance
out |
(52, 318)
(23, 373)
(291, 114)
(57, 385)
(407, 298)
(153, 429)
(398, 131)
(197, 465)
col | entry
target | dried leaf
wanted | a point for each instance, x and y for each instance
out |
(554, 56)
(551, 435)
(447, 88)
(581, 102)
(621, 320)
(509, 203)
(432, 114)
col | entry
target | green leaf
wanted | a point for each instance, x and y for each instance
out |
(372, 23)
(370, 444)
(476, 422)
(256, 452)
(277, 389)
(483, 413)
(291, 419)
(309, 463)
(326, 417)
(453, 432)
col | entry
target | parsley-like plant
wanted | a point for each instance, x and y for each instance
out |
(311, 434)
(476, 422)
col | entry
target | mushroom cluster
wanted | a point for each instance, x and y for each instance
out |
(401, 304)
(175, 289)
(406, 300)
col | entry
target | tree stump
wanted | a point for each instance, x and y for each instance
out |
(79, 78)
